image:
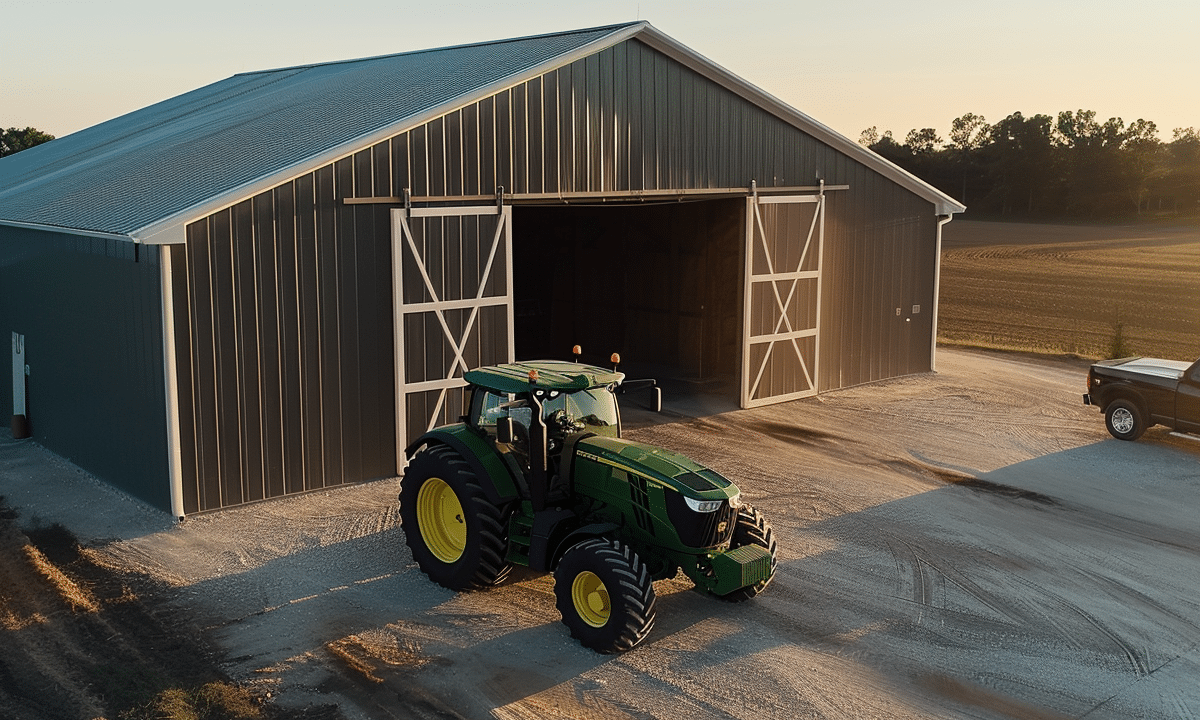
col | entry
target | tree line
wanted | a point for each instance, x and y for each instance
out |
(1040, 167)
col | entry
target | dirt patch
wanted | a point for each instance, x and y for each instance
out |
(83, 641)
(792, 433)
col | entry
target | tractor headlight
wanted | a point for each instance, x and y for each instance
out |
(703, 506)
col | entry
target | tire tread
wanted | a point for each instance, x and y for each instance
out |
(481, 566)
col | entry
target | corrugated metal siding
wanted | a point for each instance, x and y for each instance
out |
(285, 342)
(879, 257)
(91, 314)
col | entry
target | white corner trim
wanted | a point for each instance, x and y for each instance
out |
(171, 377)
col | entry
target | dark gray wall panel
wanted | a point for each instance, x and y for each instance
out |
(91, 313)
(286, 364)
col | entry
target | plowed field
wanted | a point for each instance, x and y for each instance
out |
(1066, 289)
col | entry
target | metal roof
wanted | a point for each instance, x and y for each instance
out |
(145, 174)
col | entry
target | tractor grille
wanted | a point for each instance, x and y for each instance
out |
(700, 530)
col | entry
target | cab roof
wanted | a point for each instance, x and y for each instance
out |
(551, 375)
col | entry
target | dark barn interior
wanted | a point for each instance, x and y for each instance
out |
(658, 283)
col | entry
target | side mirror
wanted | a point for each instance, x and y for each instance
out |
(504, 430)
(657, 399)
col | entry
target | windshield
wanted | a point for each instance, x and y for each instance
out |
(595, 409)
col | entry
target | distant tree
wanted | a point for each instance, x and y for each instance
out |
(922, 142)
(969, 132)
(1072, 129)
(1066, 165)
(885, 145)
(1022, 159)
(1094, 164)
(1142, 161)
(14, 140)
(1180, 184)
(1185, 135)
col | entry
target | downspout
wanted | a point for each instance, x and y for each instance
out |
(937, 285)
(171, 376)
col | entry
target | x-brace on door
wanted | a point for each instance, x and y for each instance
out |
(453, 309)
(781, 328)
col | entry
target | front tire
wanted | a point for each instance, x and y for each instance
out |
(456, 534)
(605, 595)
(752, 528)
(1124, 420)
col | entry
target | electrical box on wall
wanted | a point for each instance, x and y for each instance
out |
(20, 368)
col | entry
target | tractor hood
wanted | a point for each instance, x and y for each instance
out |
(667, 468)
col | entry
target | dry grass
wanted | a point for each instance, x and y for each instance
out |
(1070, 290)
(213, 701)
(367, 652)
(78, 598)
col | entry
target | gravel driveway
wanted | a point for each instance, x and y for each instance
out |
(969, 543)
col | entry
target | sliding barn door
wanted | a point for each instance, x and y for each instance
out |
(452, 276)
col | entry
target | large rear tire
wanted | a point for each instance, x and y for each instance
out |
(605, 595)
(456, 534)
(752, 528)
(1124, 420)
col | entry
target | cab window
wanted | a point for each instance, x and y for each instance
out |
(595, 409)
(487, 407)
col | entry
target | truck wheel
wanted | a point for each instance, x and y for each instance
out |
(605, 595)
(456, 534)
(752, 528)
(1124, 420)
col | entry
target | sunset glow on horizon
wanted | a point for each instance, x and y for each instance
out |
(893, 66)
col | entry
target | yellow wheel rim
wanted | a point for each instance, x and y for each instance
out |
(591, 599)
(440, 519)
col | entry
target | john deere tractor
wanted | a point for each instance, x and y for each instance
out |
(537, 475)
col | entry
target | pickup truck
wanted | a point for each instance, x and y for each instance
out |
(1136, 393)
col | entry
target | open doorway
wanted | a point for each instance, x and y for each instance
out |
(658, 283)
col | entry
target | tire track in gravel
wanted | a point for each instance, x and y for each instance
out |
(920, 561)
(1137, 662)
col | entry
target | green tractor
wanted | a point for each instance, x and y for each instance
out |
(537, 475)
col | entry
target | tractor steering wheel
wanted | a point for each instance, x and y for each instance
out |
(564, 423)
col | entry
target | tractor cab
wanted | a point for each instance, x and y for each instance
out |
(564, 410)
(525, 407)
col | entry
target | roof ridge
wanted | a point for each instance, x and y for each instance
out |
(499, 41)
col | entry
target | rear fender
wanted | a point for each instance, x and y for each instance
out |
(1112, 389)
(484, 460)
(1127, 392)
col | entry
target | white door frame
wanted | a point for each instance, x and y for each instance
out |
(783, 334)
(402, 238)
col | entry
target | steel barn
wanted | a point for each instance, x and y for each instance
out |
(268, 285)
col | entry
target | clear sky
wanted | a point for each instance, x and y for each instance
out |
(69, 64)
